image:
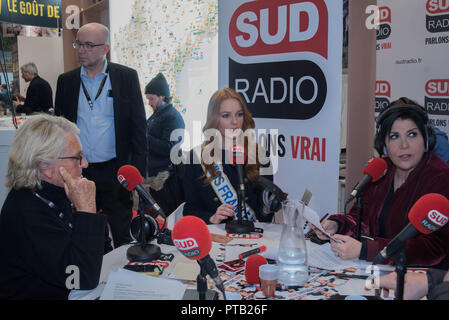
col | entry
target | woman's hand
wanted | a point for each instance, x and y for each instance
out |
(223, 212)
(330, 226)
(348, 250)
(415, 285)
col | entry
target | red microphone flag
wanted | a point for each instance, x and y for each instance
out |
(129, 177)
(429, 213)
(237, 154)
(376, 168)
(192, 237)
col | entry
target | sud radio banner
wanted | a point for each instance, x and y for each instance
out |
(284, 58)
(412, 56)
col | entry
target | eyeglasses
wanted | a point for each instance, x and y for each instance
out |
(79, 158)
(87, 45)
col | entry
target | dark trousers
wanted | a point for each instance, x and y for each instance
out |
(112, 199)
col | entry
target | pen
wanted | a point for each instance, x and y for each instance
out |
(324, 217)
(243, 255)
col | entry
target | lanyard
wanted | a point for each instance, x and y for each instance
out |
(89, 100)
(53, 206)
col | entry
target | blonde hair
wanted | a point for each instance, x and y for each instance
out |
(212, 122)
(39, 139)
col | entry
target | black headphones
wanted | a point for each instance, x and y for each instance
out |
(272, 195)
(429, 134)
(151, 229)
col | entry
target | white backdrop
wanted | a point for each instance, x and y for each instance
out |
(412, 57)
(285, 57)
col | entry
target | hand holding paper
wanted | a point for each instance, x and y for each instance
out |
(313, 218)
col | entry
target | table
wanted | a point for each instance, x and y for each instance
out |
(348, 278)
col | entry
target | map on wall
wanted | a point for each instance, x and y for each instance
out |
(176, 37)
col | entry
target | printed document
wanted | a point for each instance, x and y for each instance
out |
(130, 285)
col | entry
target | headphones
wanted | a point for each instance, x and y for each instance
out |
(408, 106)
(151, 229)
(272, 195)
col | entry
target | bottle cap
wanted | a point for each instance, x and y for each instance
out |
(268, 272)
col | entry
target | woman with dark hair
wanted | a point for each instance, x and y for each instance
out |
(210, 180)
(405, 140)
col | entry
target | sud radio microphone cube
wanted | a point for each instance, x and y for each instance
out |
(192, 238)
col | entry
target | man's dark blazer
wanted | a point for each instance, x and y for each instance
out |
(129, 111)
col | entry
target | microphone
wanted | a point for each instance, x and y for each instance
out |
(237, 159)
(427, 215)
(130, 178)
(374, 170)
(252, 268)
(239, 226)
(192, 238)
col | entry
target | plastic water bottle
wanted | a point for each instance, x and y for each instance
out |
(292, 256)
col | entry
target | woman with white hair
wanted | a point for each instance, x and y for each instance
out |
(51, 239)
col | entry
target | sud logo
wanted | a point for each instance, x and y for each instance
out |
(384, 30)
(266, 27)
(383, 95)
(434, 220)
(437, 96)
(188, 246)
(437, 16)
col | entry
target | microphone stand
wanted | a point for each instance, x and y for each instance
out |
(401, 269)
(240, 202)
(144, 251)
(240, 226)
(359, 216)
(201, 284)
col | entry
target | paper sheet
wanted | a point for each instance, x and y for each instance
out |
(93, 294)
(355, 287)
(130, 285)
(185, 271)
(313, 218)
(321, 256)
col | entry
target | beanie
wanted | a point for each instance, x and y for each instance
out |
(158, 86)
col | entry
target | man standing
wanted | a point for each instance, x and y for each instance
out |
(105, 101)
(39, 96)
